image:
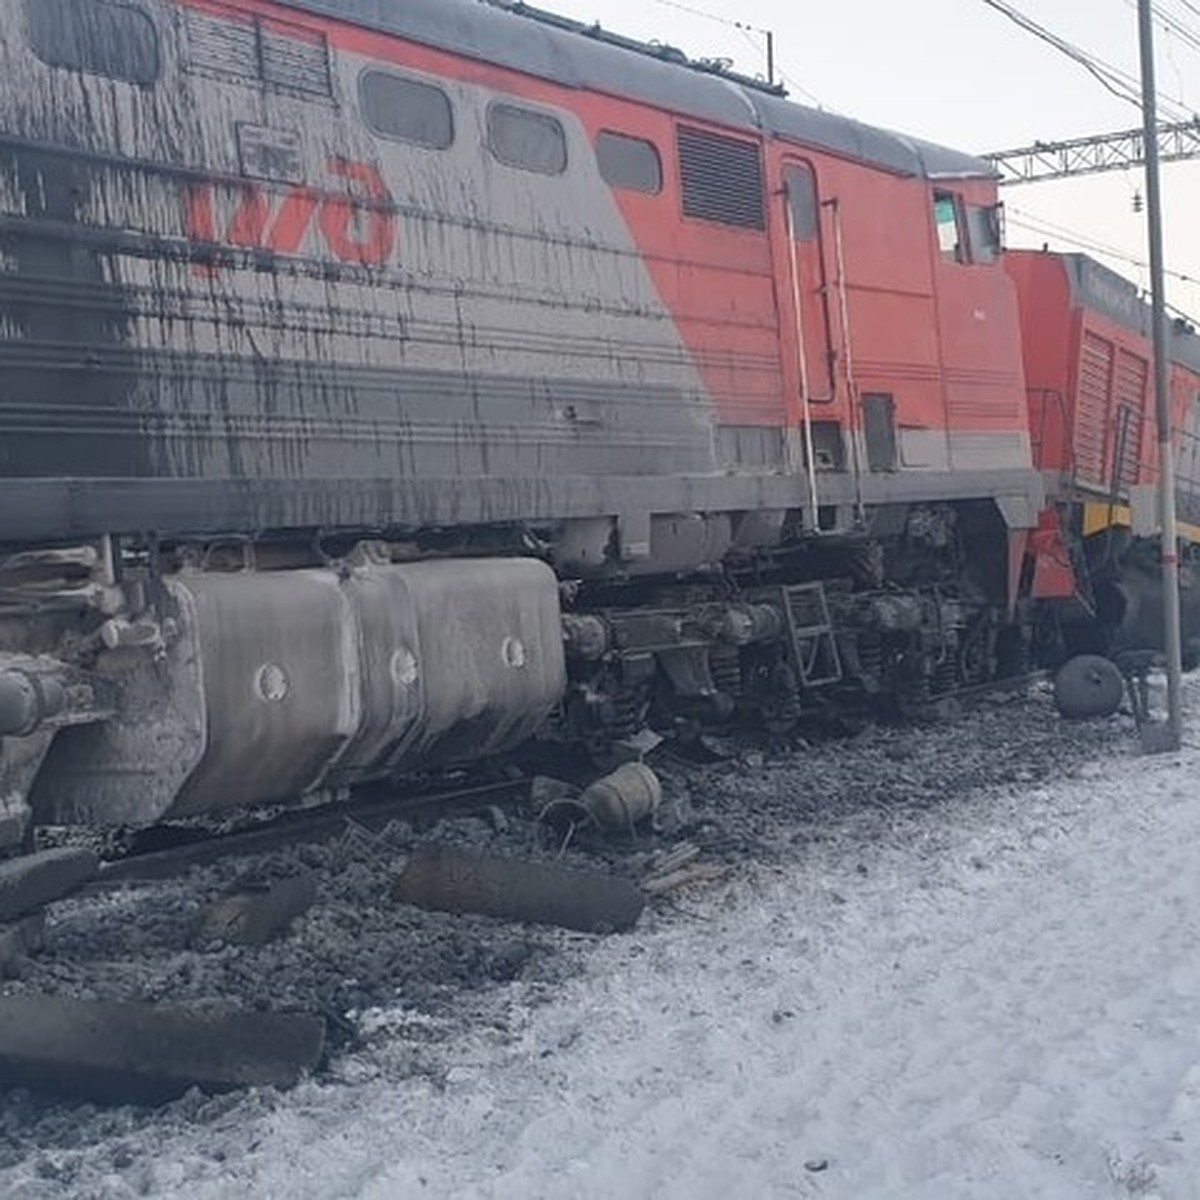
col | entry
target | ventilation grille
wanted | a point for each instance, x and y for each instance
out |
(722, 179)
(1091, 414)
(259, 52)
(1129, 391)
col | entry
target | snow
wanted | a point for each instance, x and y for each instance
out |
(996, 997)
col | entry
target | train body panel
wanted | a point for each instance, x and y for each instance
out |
(231, 303)
(1086, 338)
(382, 380)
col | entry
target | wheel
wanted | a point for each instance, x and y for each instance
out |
(1088, 686)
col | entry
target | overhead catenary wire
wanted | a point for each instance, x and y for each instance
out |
(1046, 228)
(1116, 81)
(1176, 26)
(1180, 19)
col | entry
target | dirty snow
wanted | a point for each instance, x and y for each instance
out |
(995, 996)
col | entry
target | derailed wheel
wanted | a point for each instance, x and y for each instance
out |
(1088, 685)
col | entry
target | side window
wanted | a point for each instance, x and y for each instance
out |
(945, 215)
(98, 37)
(629, 162)
(400, 108)
(983, 232)
(801, 186)
(532, 141)
(722, 178)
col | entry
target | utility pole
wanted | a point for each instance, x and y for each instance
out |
(1162, 395)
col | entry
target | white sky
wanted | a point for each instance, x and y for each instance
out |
(959, 73)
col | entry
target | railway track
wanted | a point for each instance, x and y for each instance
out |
(166, 851)
(148, 860)
(361, 944)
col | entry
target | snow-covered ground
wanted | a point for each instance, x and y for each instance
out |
(997, 998)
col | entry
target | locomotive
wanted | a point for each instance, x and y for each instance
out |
(389, 382)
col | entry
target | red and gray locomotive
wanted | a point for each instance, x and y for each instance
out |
(388, 381)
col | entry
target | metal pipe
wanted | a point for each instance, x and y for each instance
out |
(852, 412)
(1172, 642)
(810, 454)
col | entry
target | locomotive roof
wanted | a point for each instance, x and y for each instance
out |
(1097, 287)
(573, 54)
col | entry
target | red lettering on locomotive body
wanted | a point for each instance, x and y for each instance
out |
(357, 225)
(339, 216)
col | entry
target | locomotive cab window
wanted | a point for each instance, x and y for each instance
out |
(629, 162)
(949, 232)
(983, 232)
(97, 37)
(531, 141)
(404, 109)
(800, 184)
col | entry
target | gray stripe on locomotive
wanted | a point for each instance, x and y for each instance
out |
(137, 398)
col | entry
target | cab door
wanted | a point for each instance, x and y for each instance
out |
(806, 291)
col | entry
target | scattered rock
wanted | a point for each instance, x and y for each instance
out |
(252, 917)
(20, 938)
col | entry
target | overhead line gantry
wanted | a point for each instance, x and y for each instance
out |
(1177, 142)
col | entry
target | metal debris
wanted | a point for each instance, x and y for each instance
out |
(33, 880)
(144, 1054)
(513, 889)
(621, 799)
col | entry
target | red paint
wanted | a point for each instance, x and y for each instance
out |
(358, 227)
(941, 338)
(1053, 574)
(341, 217)
(1082, 367)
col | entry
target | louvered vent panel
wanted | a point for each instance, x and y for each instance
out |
(296, 59)
(275, 54)
(1129, 390)
(1091, 410)
(722, 179)
(222, 45)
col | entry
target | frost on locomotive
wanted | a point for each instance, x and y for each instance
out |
(388, 381)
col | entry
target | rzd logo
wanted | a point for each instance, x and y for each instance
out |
(357, 226)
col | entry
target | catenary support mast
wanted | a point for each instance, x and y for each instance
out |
(1162, 394)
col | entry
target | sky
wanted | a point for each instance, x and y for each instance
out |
(960, 73)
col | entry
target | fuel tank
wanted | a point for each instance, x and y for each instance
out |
(274, 685)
